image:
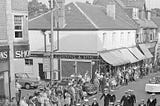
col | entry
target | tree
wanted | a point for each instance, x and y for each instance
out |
(36, 8)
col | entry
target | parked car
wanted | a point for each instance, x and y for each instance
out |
(154, 85)
(27, 80)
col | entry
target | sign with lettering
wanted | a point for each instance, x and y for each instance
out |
(4, 53)
(21, 51)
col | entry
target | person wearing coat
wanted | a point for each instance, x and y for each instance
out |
(152, 101)
(95, 103)
(112, 97)
(106, 97)
(132, 96)
(142, 103)
(126, 100)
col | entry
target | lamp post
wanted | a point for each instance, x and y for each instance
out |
(52, 39)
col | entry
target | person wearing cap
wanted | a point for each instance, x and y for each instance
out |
(142, 103)
(112, 97)
(125, 100)
(132, 97)
(152, 101)
(95, 103)
(106, 97)
(86, 102)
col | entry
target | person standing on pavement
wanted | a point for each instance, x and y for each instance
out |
(142, 103)
(106, 97)
(152, 101)
(125, 100)
(95, 103)
(132, 97)
(112, 97)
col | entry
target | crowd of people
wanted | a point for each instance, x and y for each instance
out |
(121, 75)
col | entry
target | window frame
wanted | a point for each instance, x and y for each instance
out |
(18, 30)
(29, 62)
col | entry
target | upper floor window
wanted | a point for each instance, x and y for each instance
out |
(104, 38)
(18, 26)
(135, 13)
(122, 38)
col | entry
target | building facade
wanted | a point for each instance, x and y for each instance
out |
(14, 41)
(85, 39)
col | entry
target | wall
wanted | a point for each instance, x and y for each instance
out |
(34, 69)
(3, 24)
(122, 38)
(36, 40)
(69, 41)
(20, 5)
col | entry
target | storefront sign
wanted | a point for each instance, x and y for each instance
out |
(4, 53)
(21, 51)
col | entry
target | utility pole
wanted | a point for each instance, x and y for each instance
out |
(52, 40)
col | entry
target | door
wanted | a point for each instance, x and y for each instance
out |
(2, 84)
(41, 73)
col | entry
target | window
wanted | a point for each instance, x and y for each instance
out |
(135, 14)
(28, 61)
(18, 26)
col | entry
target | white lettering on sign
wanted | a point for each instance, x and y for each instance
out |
(22, 54)
(4, 55)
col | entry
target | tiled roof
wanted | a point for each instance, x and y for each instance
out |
(144, 23)
(156, 20)
(74, 20)
(87, 16)
(98, 15)
(134, 3)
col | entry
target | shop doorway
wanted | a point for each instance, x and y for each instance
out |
(41, 73)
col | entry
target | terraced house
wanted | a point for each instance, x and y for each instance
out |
(14, 45)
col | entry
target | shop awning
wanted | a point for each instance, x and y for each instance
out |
(114, 58)
(129, 55)
(145, 50)
(137, 53)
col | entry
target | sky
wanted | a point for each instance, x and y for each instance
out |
(150, 3)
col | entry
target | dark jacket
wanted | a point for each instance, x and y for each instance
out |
(112, 98)
(151, 103)
(126, 101)
(106, 99)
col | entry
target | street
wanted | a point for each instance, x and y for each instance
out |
(138, 87)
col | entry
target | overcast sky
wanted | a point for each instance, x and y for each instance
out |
(150, 3)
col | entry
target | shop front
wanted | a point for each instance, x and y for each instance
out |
(4, 69)
(67, 65)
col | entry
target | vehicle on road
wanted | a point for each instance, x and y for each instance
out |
(27, 80)
(154, 85)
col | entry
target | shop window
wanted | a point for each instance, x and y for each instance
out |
(28, 61)
(18, 26)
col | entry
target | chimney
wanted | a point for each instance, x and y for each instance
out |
(61, 13)
(148, 15)
(111, 10)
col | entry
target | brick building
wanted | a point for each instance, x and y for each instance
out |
(14, 44)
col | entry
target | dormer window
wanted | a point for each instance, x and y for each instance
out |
(135, 13)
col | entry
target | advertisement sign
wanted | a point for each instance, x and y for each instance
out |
(4, 53)
(21, 51)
